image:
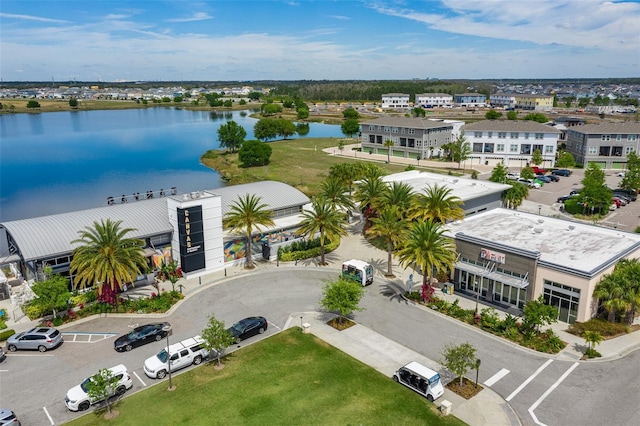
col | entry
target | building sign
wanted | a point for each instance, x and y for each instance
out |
(492, 256)
(191, 238)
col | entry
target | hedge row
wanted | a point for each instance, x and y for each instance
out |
(306, 254)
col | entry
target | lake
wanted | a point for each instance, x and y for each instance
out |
(58, 162)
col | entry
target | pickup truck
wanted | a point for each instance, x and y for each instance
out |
(538, 171)
(179, 355)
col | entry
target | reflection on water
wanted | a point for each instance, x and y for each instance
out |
(59, 162)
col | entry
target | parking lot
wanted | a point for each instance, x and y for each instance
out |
(626, 218)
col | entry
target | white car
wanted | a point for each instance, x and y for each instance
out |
(77, 398)
(177, 356)
(513, 175)
(621, 174)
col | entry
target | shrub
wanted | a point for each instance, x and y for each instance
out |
(489, 319)
(603, 327)
(4, 335)
(289, 256)
(34, 311)
(592, 353)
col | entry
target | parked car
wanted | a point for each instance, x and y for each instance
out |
(77, 398)
(620, 201)
(513, 175)
(537, 170)
(248, 327)
(576, 191)
(8, 418)
(40, 338)
(179, 355)
(623, 197)
(544, 179)
(615, 202)
(141, 336)
(621, 174)
(3, 356)
(561, 172)
(564, 198)
(629, 193)
(420, 379)
(553, 178)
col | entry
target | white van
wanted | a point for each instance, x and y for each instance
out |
(358, 271)
(421, 379)
(180, 355)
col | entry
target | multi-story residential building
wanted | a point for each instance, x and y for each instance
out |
(395, 101)
(470, 100)
(606, 144)
(503, 100)
(534, 102)
(434, 100)
(412, 137)
(511, 142)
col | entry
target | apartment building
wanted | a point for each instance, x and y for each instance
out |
(470, 100)
(511, 142)
(412, 137)
(606, 144)
(534, 102)
(434, 100)
(503, 100)
(395, 101)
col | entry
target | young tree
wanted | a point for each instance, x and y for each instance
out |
(170, 271)
(631, 179)
(388, 143)
(592, 338)
(536, 157)
(52, 294)
(512, 115)
(565, 159)
(391, 227)
(343, 296)
(536, 314)
(254, 153)
(460, 149)
(527, 172)
(459, 359)
(418, 112)
(596, 194)
(102, 386)
(231, 135)
(323, 219)
(247, 214)
(216, 337)
(515, 195)
(33, 104)
(265, 128)
(350, 113)
(492, 114)
(537, 117)
(350, 127)
(302, 114)
(73, 103)
(499, 173)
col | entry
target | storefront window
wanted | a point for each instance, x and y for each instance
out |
(564, 298)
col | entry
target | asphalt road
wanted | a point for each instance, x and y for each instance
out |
(593, 393)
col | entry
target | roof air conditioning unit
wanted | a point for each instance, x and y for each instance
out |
(537, 230)
(571, 227)
(193, 195)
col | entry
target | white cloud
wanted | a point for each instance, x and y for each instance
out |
(198, 16)
(31, 18)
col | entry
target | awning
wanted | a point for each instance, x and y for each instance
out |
(496, 276)
(148, 252)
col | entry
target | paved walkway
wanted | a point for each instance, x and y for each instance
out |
(381, 353)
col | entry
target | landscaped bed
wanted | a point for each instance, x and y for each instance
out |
(290, 378)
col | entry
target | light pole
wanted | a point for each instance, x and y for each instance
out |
(539, 209)
(167, 329)
(477, 295)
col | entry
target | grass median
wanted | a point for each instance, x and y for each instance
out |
(290, 378)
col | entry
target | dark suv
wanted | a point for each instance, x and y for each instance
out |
(561, 172)
(40, 338)
(629, 193)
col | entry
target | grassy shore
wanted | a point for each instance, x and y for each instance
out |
(300, 163)
(288, 379)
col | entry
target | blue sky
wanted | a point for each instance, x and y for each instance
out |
(290, 40)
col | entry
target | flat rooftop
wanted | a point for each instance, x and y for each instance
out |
(461, 187)
(561, 243)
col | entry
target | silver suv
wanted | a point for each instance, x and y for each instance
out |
(40, 338)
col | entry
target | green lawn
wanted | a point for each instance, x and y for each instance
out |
(288, 379)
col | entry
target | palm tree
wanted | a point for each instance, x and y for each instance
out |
(610, 292)
(388, 143)
(322, 219)
(391, 228)
(336, 193)
(248, 213)
(437, 204)
(427, 247)
(592, 338)
(515, 195)
(400, 194)
(106, 257)
(369, 193)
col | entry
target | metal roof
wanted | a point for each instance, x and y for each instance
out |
(50, 236)
(409, 122)
(626, 127)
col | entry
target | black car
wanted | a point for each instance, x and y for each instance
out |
(629, 193)
(553, 178)
(248, 327)
(141, 336)
(561, 172)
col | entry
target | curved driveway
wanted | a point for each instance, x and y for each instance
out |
(592, 393)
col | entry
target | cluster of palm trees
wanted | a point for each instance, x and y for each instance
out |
(619, 292)
(410, 224)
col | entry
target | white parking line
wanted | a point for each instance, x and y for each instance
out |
(499, 375)
(143, 383)
(546, 394)
(48, 416)
(526, 382)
